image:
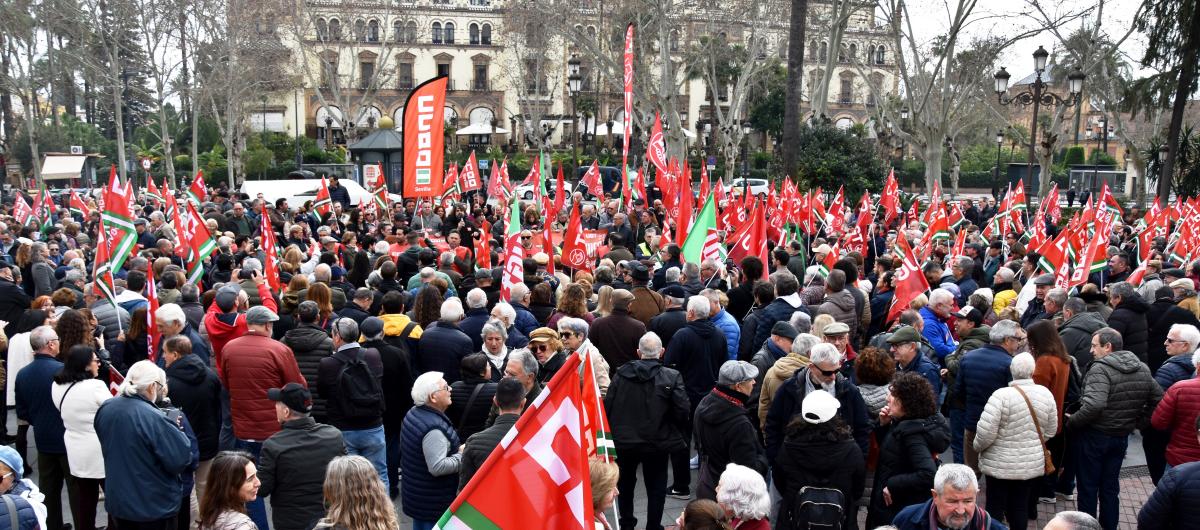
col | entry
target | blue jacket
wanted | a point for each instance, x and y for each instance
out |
(35, 406)
(441, 348)
(526, 322)
(472, 325)
(1176, 369)
(916, 517)
(733, 332)
(980, 373)
(143, 452)
(1175, 503)
(938, 334)
(424, 496)
(26, 517)
(922, 365)
(966, 287)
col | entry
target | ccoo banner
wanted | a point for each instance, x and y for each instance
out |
(424, 122)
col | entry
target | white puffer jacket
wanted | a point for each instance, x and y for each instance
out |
(1006, 438)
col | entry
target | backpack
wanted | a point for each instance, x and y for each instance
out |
(817, 508)
(359, 393)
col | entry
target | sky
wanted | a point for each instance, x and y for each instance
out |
(930, 18)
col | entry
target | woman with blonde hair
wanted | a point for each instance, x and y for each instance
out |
(604, 302)
(572, 303)
(290, 299)
(604, 477)
(355, 497)
(819, 323)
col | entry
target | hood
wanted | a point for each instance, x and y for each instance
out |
(190, 369)
(1182, 360)
(714, 410)
(642, 370)
(306, 337)
(289, 301)
(834, 447)
(703, 327)
(394, 324)
(843, 300)
(1135, 303)
(1087, 322)
(934, 429)
(773, 351)
(787, 366)
(1123, 361)
(980, 333)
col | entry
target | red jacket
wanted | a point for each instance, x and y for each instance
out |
(253, 364)
(220, 332)
(1177, 412)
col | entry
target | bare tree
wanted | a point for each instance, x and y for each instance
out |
(21, 48)
(157, 22)
(835, 16)
(532, 72)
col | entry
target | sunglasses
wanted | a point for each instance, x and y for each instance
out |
(540, 348)
(826, 373)
(565, 334)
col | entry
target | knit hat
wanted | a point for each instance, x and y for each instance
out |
(13, 460)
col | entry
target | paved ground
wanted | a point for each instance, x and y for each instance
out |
(1135, 489)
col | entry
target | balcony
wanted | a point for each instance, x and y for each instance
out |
(480, 85)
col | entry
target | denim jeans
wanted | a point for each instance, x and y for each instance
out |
(1098, 458)
(423, 525)
(369, 444)
(958, 421)
(257, 508)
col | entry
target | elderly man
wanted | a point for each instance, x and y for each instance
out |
(507, 316)
(724, 434)
(442, 347)
(980, 373)
(616, 335)
(937, 330)
(1037, 306)
(648, 424)
(37, 408)
(574, 335)
(823, 373)
(723, 321)
(1177, 413)
(953, 505)
(838, 334)
(904, 345)
(351, 381)
(171, 321)
(962, 269)
(1163, 315)
(646, 304)
(673, 318)
(293, 460)
(1118, 395)
(1073, 520)
(429, 453)
(776, 347)
(521, 365)
(519, 300)
(145, 453)
(1077, 328)
(196, 390)
(1129, 318)
(477, 315)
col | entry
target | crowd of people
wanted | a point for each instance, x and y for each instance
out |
(389, 365)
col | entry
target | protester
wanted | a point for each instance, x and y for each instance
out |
(233, 482)
(294, 459)
(26, 498)
(910, 432)
(1175, 502)
(603, 477)
(743, 494)
(723, 432)
(78, 410)
(953, 504)
(982, 372)
(429, 453)
(352, 381)
(840, 472)
(35, 405)
(824, 373)
(356, 500)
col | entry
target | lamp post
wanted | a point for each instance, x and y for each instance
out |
(1158, 162)
(1037, 96)
(574, 83)
(328, 132)
(996, 173)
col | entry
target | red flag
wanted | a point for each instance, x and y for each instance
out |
(837, 211)
(424, 123)
(751, 238)
(114, 380)
(153, 335)
(483, 250)
(498, 185)
(866, 215)
(541, 465)
(909, 282)
(628, 78)
(468, 178)
(548, 247)
(704, 185)
(890, 198)
(560, 195)
(153, 192)
(686, 205)
(591, 179)
(198, 192)
(1056, 259)
(270, 253)
(574, 252)
(22, 211)
(656, 150)
(323, 203)
(76, 205)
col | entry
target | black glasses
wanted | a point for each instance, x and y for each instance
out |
(565, 334)
(1173, 341)
(826, 373)
(540, 348)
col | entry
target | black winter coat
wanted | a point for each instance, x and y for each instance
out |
(1176, 501)
(667, 323)
(397, 383)
(196, 390)
(13, 303)
(840, 466)
(741, 299)
(1162, 315)
(310, 344)
(468, 421)
(480, 445)
(776, 311)
(1129, 319)
(1077, 333)
(292, 470)
(442, 348)
(786, 405)
(907, 464)
(724, 435)
(647, 408)
(697, 351)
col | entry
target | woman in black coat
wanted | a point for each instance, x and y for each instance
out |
(912, 434)
(471, 397)
(840, 465)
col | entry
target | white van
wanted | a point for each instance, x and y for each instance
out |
(298, 191)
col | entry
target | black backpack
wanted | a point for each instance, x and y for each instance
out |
(359, 393)
(816, 508)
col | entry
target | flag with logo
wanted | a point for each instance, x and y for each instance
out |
(153, 192)
(77, 206)
(270, 255)
(198, 192)
(889, 200)
(200, 242)
(909, 282)
(117, 219)
(424, 127)
(574, 250)
(468, 177)
(591, 179)
(514, 253)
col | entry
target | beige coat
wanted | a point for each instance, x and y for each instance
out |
(783, 369)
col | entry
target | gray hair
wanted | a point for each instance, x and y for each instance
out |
(941, 295)
(157, 216)
(672, 274)
(650, 346)
(1188, 333)
(507, 313)
(494, 327)
(446, 259)
(691, 270)
(424, 386)
(141, 376)
(476, 298)
(381, 247)
(824, 353)
(801, 321)
(1022, 366)
(966, 264)
(189, 292)
(428, 273)
(518, 292)
(73, 275)
(170, 313)
(1075, 305)
(744, 492)
(957, 476)
(346, 329)
(41, 336)
(578, 326)
(526, 359)
(712, 295)
(1002, 331)
(785, 282)
(1111, 337)
(252, 264)
(1058, 295)
(1122, 289)
(35, 254)
(698, 305)
(452, 310)
(322, 273)
(804, 342)
(1078, 520)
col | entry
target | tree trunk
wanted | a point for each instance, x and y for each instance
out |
(795, 85)
(168, 152)
(1182, 92)
(955, 167)
(6, 108)
(933, 166)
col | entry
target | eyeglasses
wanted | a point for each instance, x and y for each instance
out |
(565, 334)
(1172, 341)
(540, 347)
(826, 373)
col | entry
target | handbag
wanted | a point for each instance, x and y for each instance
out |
(1049, 466)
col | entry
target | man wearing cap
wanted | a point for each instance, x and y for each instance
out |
(823, 373)
(674, 317)
(723, 431)
(1037, 306)
(904, 346)
(293, 460)
(648, 415)
(226, 317)
(973, 334)
(778, 346)
(616, 335)
(646, 304)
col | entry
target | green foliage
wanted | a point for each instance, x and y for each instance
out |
(72, 131)
(767, 103)
(213, 162)
(1073, 156)
(830, 157)
(1101, 158)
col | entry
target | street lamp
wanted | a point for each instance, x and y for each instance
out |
(328, 131)
(996, 173)
(1162, 156)
(1037, 96)
(574, 83)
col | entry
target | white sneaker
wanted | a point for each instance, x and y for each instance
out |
(694, 463)
(1064, 496)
